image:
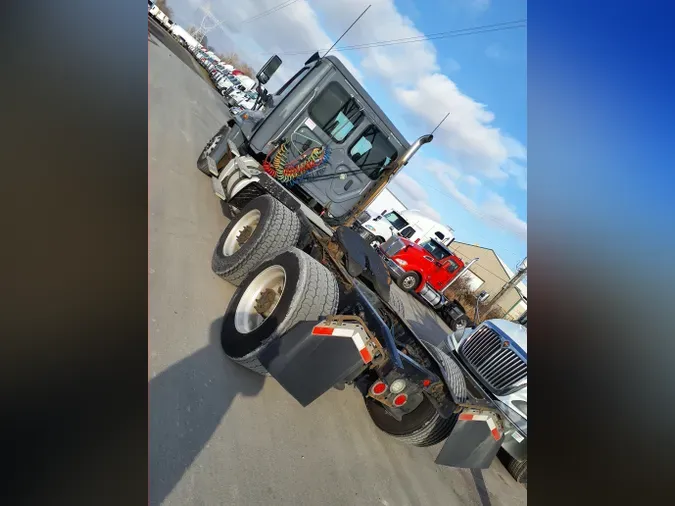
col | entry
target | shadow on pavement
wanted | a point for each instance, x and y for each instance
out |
(187, 402)
(481, 487)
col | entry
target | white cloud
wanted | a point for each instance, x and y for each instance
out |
(466, 133)
(413, 195)
(472, 180)
(493, 210)
(495, 207)
(519, 172)
(294, 28)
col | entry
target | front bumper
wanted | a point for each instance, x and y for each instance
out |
(395, 269)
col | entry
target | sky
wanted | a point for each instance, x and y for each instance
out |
(473, 176)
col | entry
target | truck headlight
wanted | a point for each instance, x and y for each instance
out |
(370, 227)
(400, 262)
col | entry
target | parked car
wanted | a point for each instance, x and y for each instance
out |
(226, 83)
(246, 99)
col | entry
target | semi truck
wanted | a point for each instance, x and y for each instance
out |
(314, 307)
(427, 269)
(410, 224)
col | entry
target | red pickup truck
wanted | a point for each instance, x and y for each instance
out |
(427, 269)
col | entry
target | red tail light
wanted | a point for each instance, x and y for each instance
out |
(400, 400)
(378, 388)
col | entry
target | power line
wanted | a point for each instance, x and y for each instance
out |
(508, 25)
(274, 9)
(218, 24)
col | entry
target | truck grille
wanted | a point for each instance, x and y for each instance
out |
(500, 367)
(392, 246)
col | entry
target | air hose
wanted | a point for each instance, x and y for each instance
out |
(298, 170)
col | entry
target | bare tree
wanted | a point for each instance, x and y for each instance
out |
(234, 60)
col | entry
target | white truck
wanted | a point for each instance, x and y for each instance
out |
(183, 36)
(410, 224)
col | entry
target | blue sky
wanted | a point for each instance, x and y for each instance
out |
(474, 175)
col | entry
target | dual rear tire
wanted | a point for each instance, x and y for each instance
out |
(422, 427)
(289, 288)
(280, 286)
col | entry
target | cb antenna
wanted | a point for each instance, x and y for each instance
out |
(446, 117)
(345, 33)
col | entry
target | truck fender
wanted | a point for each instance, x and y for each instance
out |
(452, 374)
(477, 436)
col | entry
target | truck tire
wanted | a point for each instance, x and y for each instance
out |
(422, 427)
(518, 469)
(309, 291)
(409, 281)
(453, 324)
(263, 228)
(215, 148)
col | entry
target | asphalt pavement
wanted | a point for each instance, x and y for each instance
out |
(219, 434)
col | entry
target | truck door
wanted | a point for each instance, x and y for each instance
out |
(443, 273)
(338, 117)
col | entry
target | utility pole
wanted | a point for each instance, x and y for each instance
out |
(517, 278)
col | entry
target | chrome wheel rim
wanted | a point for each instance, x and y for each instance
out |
(241, 232)
(260, 299)
(408, 282)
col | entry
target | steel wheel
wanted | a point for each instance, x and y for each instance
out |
(409, 282)
(260, 299)
(242, 232)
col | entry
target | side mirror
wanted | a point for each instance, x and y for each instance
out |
(268, 70)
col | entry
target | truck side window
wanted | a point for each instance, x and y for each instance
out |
(335, 112)
(407, 232)
(372, 151)
(452, 266)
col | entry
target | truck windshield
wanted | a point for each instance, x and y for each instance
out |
(396, 220)
(436, 250)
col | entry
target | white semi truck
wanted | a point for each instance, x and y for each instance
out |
(410, 224)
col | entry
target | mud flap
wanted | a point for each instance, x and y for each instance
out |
(472, 444)
(308, 365)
